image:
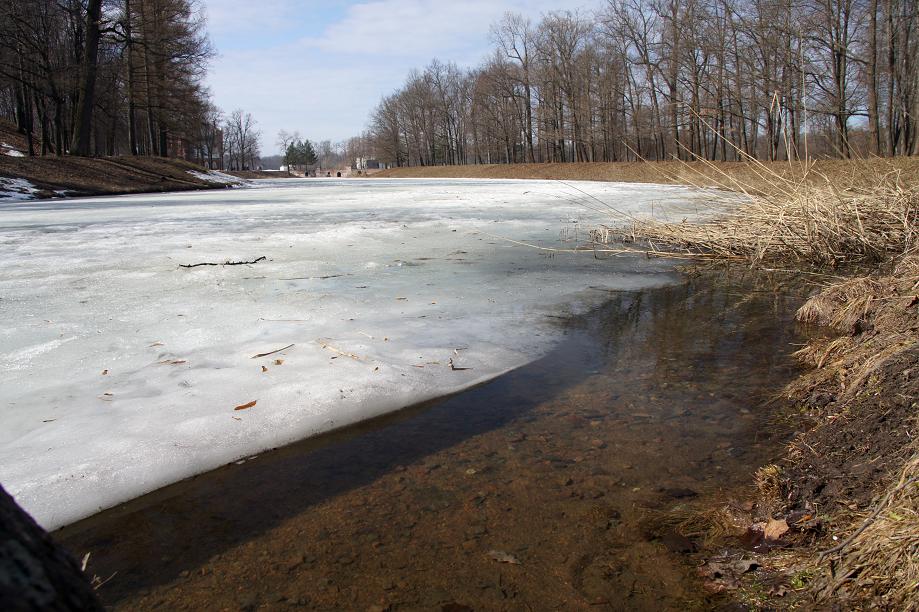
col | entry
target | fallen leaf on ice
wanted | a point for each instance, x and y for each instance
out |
(264, 369)
(278, 362)
(244, 406)
(104, 372)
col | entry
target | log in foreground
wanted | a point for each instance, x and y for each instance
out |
(36, 573)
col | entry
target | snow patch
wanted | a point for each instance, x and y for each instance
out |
(11, 151)
(214, 176)
(16, 189)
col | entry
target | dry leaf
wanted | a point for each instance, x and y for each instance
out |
(278, 362)
(104, 372)
(775, 529)
(264, 369)
(244, 406)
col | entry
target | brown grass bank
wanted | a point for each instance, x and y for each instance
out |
(752, 175)
(837, 519)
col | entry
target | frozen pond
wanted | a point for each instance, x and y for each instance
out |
(121, 372)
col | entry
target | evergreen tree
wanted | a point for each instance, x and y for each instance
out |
(300, 153)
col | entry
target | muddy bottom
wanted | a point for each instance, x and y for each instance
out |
(539, 490)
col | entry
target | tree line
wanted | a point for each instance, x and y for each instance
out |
(665, 79)
(116, 77)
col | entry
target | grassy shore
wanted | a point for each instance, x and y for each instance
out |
(731, 175)
(841, 509)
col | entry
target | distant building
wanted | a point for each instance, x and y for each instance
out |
(363, 163)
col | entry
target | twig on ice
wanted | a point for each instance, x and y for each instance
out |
(272, 352)
(226, 263)
(339, 351)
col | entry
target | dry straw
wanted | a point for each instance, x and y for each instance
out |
(879, 563)
(796, 214)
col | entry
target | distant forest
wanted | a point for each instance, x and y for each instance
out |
(664, 79)
(116, 77)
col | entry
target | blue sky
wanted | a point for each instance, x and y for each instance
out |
(320, 67)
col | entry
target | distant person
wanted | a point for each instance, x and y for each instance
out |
(338, 175)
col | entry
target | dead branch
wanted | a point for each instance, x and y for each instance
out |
(272, 352)
(226, 263)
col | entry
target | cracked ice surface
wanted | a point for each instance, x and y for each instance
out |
(120, 371)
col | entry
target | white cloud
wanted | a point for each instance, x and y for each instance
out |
(242, 17)
(432, 27)
(330, 67)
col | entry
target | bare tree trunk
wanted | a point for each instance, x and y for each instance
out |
(132, 108)
(874, 128)
(82, 128)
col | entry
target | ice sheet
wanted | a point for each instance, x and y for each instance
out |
(120, 371)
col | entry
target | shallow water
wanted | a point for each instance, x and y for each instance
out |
(542, 489)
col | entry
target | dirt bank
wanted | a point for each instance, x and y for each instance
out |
(53, 176)
(78, 176)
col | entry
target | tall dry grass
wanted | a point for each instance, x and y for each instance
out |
(802, 217)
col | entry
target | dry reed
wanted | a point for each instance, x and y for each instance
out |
(801, 217)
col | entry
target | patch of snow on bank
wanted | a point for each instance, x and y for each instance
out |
(215, 176)
(16, 189)
(11, 151)
(121, 372)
